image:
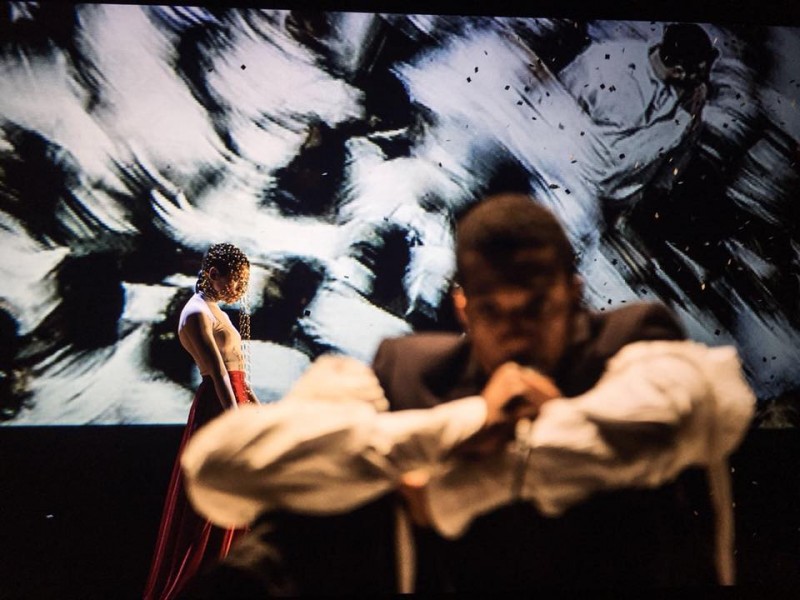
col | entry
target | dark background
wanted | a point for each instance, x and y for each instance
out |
(79, 506)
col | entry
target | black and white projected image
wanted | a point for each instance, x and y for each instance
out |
(336, 150)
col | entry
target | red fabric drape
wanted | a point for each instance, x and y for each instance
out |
(186, 542)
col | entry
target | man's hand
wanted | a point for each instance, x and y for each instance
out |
(694, 102)
(513, 392)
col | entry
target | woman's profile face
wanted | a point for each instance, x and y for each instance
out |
(229, 288)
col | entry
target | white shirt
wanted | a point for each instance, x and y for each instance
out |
(326, 448)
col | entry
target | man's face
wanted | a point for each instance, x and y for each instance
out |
(529, 324)
(689, 76)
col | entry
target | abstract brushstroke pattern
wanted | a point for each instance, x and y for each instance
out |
(337, 149)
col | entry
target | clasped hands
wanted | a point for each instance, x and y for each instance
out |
(516, 392)
(513, 392)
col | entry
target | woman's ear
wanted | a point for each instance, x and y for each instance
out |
(460, 306)
(213, 273)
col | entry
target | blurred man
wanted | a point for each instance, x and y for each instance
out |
(519, 299)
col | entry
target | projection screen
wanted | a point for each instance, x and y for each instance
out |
(336, 149)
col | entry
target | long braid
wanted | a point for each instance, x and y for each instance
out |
(244, 332)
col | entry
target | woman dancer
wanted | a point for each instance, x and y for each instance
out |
(186, 542)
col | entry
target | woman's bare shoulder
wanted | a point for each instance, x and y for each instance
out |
(195, 311)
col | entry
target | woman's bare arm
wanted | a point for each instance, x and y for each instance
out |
(198, 330)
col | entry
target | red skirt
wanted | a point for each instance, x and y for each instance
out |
(186, 542)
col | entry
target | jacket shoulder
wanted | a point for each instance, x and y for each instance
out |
(607, 333)
(643, 321)
(425, 343)
(412, 369)
(636, 322)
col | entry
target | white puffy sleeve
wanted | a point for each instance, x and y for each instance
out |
(323, 449)
(659, 408)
